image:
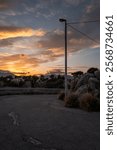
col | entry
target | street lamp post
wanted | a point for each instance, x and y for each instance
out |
(66, 86)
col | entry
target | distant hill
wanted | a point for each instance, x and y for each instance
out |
(5, 73)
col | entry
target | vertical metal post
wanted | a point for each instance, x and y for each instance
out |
(66, 88)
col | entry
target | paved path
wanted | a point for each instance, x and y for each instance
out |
(41, 122)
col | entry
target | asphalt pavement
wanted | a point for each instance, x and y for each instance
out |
(41, 122)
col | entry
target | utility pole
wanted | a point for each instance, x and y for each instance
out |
(68, 24)
(66, 86)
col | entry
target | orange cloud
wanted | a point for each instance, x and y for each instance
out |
(20, 63)
(39, 52)
(57, 51)
(13, 32)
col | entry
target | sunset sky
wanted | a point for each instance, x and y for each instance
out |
(32, 38)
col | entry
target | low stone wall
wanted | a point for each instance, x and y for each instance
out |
(20, 91)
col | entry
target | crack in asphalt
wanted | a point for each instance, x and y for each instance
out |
(15, 118)
(26, 138)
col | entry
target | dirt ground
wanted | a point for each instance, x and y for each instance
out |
(41, 122)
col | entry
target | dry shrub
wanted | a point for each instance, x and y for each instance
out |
(89, 103)
(61, 96)
(72, 100)
(92, 70)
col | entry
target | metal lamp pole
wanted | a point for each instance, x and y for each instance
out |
(66, 86)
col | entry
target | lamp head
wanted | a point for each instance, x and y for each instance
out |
(62, 20)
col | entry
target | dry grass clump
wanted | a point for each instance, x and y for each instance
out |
(89, 103)
(61, 96)
(72, 100)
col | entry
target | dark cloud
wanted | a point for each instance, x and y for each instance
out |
(7, 4)
(4, 4)
(12, 29)
(54, 43)
(92, 10)
(74, 2)
(53, 39)
(55, 71)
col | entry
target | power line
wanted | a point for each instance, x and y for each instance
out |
(90, 21)
(83, 34)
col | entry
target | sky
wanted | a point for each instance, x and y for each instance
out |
(32, 38)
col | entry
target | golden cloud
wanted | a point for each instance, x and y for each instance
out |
(19, 63)
(57, 51)
(13, 32)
